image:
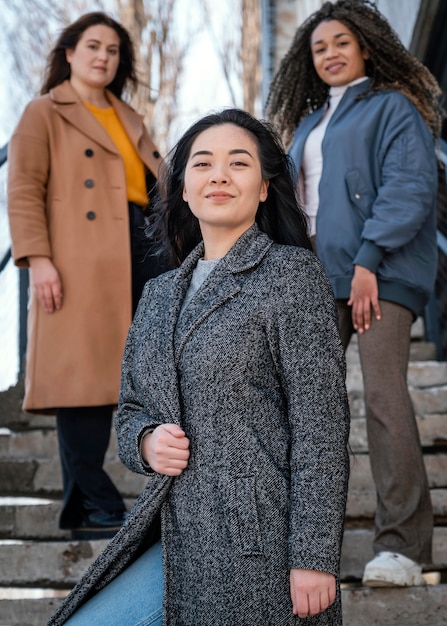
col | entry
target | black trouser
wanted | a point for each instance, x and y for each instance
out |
(83, 435)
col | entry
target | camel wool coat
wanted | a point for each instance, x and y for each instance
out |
(67, 200)
(254, 372)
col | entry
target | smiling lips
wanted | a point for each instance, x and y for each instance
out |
(219, 195)
(334, 67)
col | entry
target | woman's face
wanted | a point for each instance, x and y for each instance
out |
(336, 54)
(94, 61)
(223, 182)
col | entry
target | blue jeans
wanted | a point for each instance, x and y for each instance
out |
(134, 598)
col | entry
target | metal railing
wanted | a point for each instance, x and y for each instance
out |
(23, 287)
(437, 308)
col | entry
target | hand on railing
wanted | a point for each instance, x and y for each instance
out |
(45, 281)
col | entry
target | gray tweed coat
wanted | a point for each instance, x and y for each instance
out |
(255, 374)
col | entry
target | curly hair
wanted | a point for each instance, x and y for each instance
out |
(58, 68)
(174, 227)
(297, 90)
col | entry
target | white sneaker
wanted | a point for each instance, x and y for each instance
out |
(389, 569)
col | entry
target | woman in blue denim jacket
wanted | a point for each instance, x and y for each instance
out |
(363, 114)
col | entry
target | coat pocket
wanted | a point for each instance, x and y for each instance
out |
(361, 196)
(244, 518)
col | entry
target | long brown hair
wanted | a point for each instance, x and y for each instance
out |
(297, 90)
(58, 69)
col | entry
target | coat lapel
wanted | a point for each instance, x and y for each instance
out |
(133, 124)
(221, 286)
(67, 103)
(297, 148)
(173, 333)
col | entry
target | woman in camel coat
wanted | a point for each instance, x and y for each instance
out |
(71, 200)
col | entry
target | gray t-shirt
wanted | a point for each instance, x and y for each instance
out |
(202, 270)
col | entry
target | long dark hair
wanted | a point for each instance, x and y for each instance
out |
(297, 90)
(58, 69)
(280, 216)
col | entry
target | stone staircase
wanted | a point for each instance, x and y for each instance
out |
(39, 564)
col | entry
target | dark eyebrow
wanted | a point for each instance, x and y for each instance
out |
(320, 41)
(209, 153)
(240, 151)
(93, 40)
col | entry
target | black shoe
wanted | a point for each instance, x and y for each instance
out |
(99, 525)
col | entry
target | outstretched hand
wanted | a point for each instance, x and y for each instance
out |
(166, 449)
(311, 591)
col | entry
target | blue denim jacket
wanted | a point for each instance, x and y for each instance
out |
(377, 195)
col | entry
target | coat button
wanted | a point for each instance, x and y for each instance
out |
(89, 183)
(357, 196)
(91, 215)
(156, 154)
(89, 152)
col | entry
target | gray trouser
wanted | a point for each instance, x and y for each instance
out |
(404, 518)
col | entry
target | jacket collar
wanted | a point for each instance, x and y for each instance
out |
(358, 88)
(349, 95)
(68, 104)
(174, 333)
(310, 121)
(224, 283)
(246, 253)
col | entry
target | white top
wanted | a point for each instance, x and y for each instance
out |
(312, 163)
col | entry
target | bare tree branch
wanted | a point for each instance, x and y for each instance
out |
(238, 50)
(250, 53)
(225, 48)
(163, 32)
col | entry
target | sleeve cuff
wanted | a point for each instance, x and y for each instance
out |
(144, 432)
(370, 255)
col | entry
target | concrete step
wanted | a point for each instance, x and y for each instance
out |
(60, 563)
(34, 519)
(42, 444)
(53, 564)
(426, 400)
(28, 607)
(32, 478)
(29, 465)
(11, 414)
(414, 606)
(361, 505)
(361, 477)
(432, 432)
(29, 461)
(43, 478)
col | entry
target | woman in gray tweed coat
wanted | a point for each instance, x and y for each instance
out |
(233, 403)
